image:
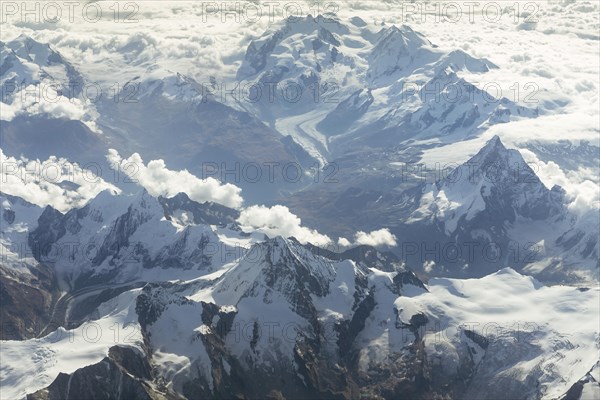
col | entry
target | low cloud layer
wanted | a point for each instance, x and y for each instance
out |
(158, 180)
(44, 99)
(581, 185)
(378, 238)
(280, 221)
(55, 182)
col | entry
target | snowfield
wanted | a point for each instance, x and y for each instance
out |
(30, 365)
(556, 328)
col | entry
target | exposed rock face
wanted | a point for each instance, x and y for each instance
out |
(587, 387)
(125, 374)
(111, 239)
(349, 331)
(496, 186)
(270, 335)
(285, 320)
(282, 320)
(469, 223)
(26, 302)
(207, 213)
(28, 288)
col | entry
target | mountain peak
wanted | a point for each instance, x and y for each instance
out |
(31, 61)
(30, 49)
(494, 151)
(320, 20)
(498, 182)
(264, 52)
(494, 143)
(403, 34)
(458, 60)
(207, 213)
(26, 39)
(397, 51)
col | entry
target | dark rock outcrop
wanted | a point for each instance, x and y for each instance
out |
(124, 374)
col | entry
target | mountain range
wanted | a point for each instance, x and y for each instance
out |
(486, 286)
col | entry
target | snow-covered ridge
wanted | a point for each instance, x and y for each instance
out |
(496, 199)
(225, 312)
(197, 333)
(25, 61)
(209, 320)
(495, 177)
(366, 86)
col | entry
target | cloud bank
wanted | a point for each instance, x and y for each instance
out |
(43, 99)
(280, 221)
(55, 182)
(379, 238)
(158, 180)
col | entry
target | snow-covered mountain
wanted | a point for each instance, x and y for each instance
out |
(386, 97)
(115, 239)
(473, 280)
(496, 201)
(487, 213)
(321, 324)
(22, 316)
(356, 86)
(222, 312)
(496, 181)
(44, 111)
(444, 108)
(25, 61)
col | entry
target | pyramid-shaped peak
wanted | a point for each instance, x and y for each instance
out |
(28, 43)
(308, 24)
(497, 164)
(24, 38)
(30, 49)
(493, 147)
(460, 60)
(281, 245)
(402, 34)
(495, 142)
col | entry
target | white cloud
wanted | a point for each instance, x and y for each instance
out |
(343, 242)
(581, 185)
(381, 237)
(279, 221)
(176, 37)
(158, 180)
(44, 99)
(428, 266)
(47, 182)
(586, 198)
